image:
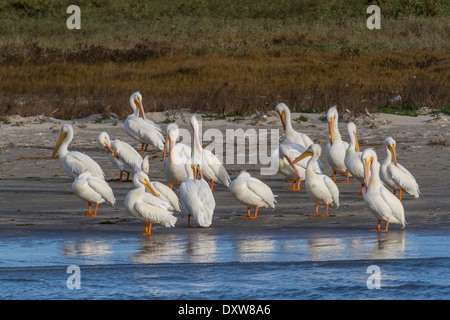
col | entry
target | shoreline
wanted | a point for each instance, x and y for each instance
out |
(36, 192)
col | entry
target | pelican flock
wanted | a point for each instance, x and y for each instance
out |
(192, 171)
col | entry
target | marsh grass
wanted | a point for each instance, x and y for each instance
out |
(221, 57)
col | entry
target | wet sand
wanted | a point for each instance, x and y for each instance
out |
(36, 198)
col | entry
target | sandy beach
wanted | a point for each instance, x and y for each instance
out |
(36, 192)
(36, 200)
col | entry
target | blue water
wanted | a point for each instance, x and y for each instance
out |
(208, 264)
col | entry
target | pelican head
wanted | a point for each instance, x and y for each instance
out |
(66, 130)
(145, 164)
(103, 139)
(169, 127)
(172, 137)
(313, 150)
(282, 109)
(244, 174)
(136, 104)
(195, 144)
(390, 143)
(141, 179)
(193, 170)
(368, 157)
(332, 116)
(351, 129)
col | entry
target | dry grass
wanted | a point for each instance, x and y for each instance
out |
(222, 56)
(221, 84)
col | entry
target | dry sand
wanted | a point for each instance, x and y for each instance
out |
(36, 198)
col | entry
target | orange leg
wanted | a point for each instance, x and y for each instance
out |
(317, 211)
(362, 189)
(249, 216)
(142, 148)
(89, 210)
(294, 187)
(120, 177)
(148, 229)
(212, 184)
(378, 227)
(348, 173)
(400, 195)
(387, 225)
(128, 176)
(189, 222)
(334, 177)
(326, 213)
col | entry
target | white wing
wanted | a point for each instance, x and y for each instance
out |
(167, 194)
(154, 210)
(197, 199)
(262, 191)
(144, 131)
(103, 189)
(397, 214)
(404, 179)
(214, 169)
(127, 154)
(77, 162)
(332, 187)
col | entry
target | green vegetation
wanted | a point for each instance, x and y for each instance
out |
(407, 110)
(445, 109)
(301, 119)
(221, 56)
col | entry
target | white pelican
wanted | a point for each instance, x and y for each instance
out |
(320, 187)
(196, 197)
(141, 129)
(74, 162)
(289, 132)
(148, 207)
(163, 191)
(294, 172)
(381, 202)
(335, 147)
(179, 154)
(353, 156)
(121, 154)
(394, 175)
(169, 126)
(252, 192)
(93, 190)
(211, 168)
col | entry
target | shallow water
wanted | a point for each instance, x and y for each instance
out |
(208, 264)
